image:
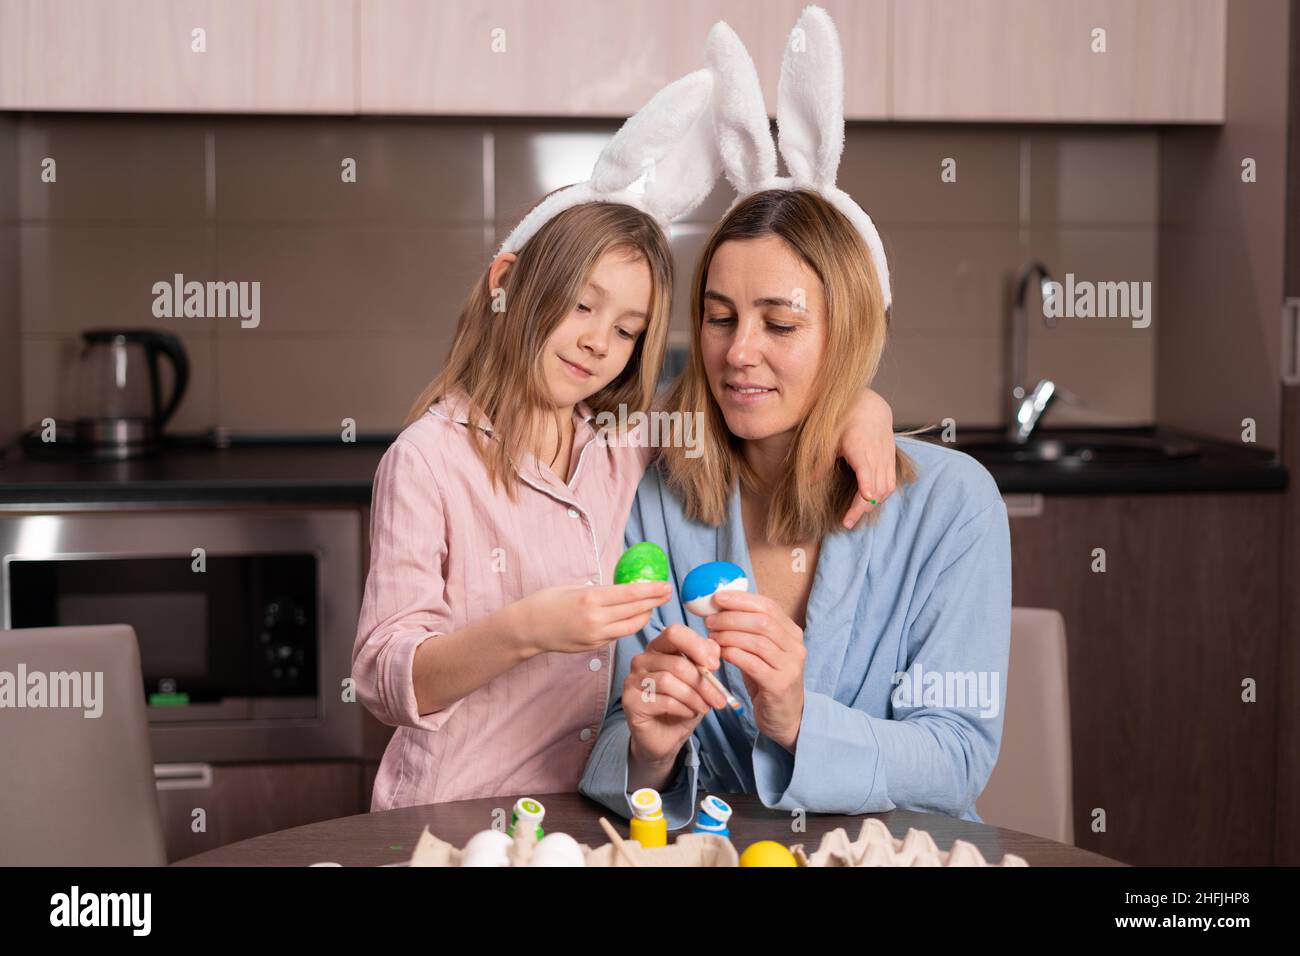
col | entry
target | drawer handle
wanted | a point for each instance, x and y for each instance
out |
(182, 776)
(1291, 341)
(1023, 505)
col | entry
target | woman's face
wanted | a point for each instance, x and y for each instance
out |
(763, 335)
(592, 344)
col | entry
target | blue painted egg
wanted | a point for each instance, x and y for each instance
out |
(703, 581)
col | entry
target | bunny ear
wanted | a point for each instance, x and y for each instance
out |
(652, 133)
(669, 141)
(810, 101)
(687, 174)
(744, 136)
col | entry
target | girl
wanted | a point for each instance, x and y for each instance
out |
(485, 633)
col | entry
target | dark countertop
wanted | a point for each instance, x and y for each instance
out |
(190, 470)
(1214, 466)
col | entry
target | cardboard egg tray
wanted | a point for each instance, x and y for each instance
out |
(875, 846)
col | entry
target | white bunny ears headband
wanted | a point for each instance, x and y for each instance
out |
(714, 120)
(670, 141)
(809, 121)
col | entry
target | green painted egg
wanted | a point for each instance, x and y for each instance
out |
(642, 562)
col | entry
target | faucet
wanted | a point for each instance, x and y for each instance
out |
(1026, 410)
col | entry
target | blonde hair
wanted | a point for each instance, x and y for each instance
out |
(801, 509)
(496, 356)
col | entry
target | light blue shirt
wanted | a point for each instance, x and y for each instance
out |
(907, 634)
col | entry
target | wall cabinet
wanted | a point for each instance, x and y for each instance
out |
(934, 60)
(290, 56)
(583, 57)
(1038, 60)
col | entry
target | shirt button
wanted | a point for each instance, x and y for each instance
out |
(585, 735)
(594, 663)
(573, 512)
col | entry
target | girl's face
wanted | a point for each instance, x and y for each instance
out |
(763, 335)
(592, 344)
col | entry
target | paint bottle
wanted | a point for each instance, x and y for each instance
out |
(648, 826)
(529, 812)
(713, 816)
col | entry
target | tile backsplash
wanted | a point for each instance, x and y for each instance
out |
(361, 282)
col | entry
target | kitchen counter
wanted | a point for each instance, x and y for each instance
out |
(1214, 466)
(191, 471)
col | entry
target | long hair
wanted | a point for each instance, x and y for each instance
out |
(497, 353)
(801, 509)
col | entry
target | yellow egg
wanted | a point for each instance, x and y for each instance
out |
(767, 853)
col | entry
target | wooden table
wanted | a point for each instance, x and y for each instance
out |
(376, 839)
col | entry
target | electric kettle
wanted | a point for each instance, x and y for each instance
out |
(120, 412)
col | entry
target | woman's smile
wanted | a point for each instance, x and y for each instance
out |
(744, 393)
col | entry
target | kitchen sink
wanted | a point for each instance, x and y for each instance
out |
(1079, 448)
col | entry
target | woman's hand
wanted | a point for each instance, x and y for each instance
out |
(580, 618)
(665, 696)
(758, 637)
(867, 444)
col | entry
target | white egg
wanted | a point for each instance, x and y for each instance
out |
(703, 606)
(557, 849)
(487, 848)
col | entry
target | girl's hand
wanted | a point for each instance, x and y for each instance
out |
(758, 637)
(867, 444)
(665, 696)
(580, 618)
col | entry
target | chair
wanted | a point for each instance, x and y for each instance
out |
(1030, 787)
(78, 790)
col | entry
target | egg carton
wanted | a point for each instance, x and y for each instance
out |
(689, 849)
(876, 846)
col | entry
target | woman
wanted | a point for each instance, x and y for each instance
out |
(836, 655)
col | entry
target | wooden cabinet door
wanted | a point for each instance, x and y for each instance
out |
(289, 56)
(584, 57)
(247, 800)
(1034, 60)
(1159, 646)
(1287, 837)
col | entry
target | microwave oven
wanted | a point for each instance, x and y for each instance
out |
(245, 619)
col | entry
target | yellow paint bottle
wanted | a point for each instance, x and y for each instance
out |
(648, 826)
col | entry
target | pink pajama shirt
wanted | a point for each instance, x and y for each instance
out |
(446, 548)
